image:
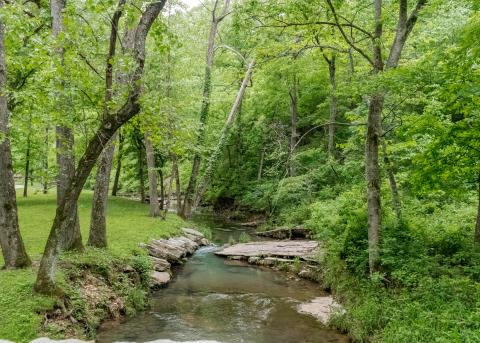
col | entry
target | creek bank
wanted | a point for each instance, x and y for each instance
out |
(164, 253)
(102, 288)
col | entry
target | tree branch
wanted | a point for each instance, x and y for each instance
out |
(344, 35)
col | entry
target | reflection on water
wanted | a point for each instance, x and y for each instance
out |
(212, 300)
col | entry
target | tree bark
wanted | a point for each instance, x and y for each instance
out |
(293, 125)
(45, 282)
(207, 89)
(212, 162)
(373, 179)
(13, 249)
(119, 165)
(71, 239)
(396, 203)
(152, 178)
(98, 224)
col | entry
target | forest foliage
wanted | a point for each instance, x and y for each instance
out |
(401, 229)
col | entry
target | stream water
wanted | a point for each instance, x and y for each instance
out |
(214, 299)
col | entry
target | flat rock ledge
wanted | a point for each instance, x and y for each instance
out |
(173, 251)
(321, 308)
(301, 249)
(298, 257)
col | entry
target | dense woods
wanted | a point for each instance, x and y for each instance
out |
(356, 119)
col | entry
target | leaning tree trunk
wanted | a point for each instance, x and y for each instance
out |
(14, 254)
(118, 168)
(293, 125)
(212, 162)
(152, 178)
(72, 238)
(207, 89)
(98, 223)
(45, 282)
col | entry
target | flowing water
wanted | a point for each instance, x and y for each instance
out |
(211, 298)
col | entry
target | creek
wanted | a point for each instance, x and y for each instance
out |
(211, 298)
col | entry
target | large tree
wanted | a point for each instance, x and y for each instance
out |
(405, 24)
(72, 239)
(11, 242)
(45, 282)
(207, 90)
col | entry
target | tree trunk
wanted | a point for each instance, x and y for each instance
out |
(207, 89)
(333, 104)
(178, 190)
(45, 282)
(293, 125)
(169, 192)
(141, 176)
(98, 225)
(98, 222)
(260, 166)
(162, 189)
(396, 203)
(45, 162)
(14, 254)
(212, 162)
(152, 178)
(119, 165)
(27, 168)
(71, 238)
(373, 179)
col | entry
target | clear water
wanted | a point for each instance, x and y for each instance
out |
(215, 299)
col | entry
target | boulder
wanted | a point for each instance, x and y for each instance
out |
(186, 243)
(160, 279)
(194, 235)
(171, 250)
(321, 308)
(160, 264)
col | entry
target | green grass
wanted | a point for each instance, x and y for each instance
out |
(128, 225)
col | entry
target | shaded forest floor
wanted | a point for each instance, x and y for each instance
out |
(22, 314)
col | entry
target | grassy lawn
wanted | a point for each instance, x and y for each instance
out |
(128, 225)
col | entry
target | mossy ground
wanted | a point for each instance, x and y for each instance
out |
(22, 313)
